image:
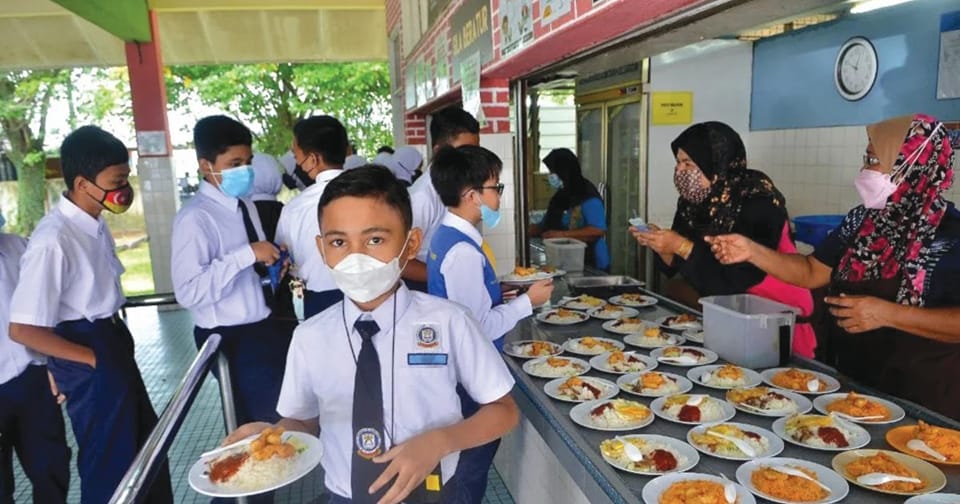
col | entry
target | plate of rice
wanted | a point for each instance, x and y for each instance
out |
(676, 409)
(611, 415)
(855, 463)
(799, 380)
(764, 401)
(628, 325)
(633, 300)
(580, 389)
(589, 345)
(531, 349)
(622, 362)
(612, 312)
(681, 322)
(687, 488)
(653, 384)
(934, 498)
(763, 442)
(760, 478)
(582, 302)
(694, 335)
(556, 367)
(699, 356)
(821, 432)
(724, 376)
(857, 406)
(271, 460)
(661, 454)
(653, 337)
(562, 316)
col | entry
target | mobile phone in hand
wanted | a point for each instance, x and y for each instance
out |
(639, 224)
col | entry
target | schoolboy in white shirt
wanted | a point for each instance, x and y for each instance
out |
(319, 148)
(219, 260)
(65, 306)
(376, 374)
(30, 419)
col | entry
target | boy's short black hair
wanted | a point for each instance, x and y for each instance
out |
(213, 135)
(385, 148)
(369, 181)
(89, 150)
(457, 170)
(323, 135)
(446, 124)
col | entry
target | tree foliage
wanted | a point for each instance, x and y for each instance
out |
(272, 97)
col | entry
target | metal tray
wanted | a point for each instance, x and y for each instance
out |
(608, 281)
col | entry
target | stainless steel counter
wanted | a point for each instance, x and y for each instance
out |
(577, 448)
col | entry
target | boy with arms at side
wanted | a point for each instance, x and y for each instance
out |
(381, 386)
(218, 260)
(65, 306)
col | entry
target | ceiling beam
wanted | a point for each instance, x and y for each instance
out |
(128, 20)
(264, 5)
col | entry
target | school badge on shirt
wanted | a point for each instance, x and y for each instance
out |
(368, 442)
(427, 337)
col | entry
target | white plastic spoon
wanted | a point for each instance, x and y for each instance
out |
(813, 385)
(874, 479)
(695, 400)
(242, 442)
(800, 474)
(729, 490)
(683, 359)
(856, 418)
(773, 412)
(630, 450)
(920, 446)
(740, 444)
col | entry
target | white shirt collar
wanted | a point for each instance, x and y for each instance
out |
(80, 218)
(320, 183)
(383, 314)
(462, 225)
(213, 192)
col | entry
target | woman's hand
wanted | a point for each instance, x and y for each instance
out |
(731, 248)
(665, 242)
(859, 314)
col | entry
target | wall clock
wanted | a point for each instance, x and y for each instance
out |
(855, 70)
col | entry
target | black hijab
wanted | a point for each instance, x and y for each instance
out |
(576, 189)
(719, 152)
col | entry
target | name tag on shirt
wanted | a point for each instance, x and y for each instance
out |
(426, 359)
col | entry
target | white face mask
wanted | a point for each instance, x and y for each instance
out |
(874, 188)
(363, 278)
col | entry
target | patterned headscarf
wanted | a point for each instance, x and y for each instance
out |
(898, 238)
(719, 153)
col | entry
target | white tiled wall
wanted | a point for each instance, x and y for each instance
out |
(502, 239)
(159, 193)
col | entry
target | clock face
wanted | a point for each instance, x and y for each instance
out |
(856, 68)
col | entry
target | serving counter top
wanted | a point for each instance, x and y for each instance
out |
(577, 448)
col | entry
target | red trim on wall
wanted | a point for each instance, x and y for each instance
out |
(148, 89)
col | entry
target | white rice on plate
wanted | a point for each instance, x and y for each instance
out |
(613, 451)
(726, 376)
(618, 413)
(653, 383)
(257, 474)
(725, 448)
(593, 346)
(542, 367)
(710, 409)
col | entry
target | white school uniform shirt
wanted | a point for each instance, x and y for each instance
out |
(319, 378)
(212, 261)
(298, 228)
(428, 211)
(462, 270)
(69, 271)
(14, 357)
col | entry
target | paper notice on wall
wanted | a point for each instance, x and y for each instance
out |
(551, 10)
(441, 57)
(470, 86)
(671, 107)
(516, 24)
(948, 73)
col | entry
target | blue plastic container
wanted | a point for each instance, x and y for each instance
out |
(813, 229)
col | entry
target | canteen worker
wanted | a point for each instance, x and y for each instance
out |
(65, 306)
(219, 261)
(575, 210)
(892, 268)
(719, 194)
(30, 420)
(380, 385)
(320, 148)
(467, 179)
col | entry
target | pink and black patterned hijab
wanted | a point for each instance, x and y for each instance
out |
(896, 240)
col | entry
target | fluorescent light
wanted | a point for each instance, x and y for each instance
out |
(870, 5)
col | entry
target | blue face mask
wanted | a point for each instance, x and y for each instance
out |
(554, 180)
(237, 182)
(489, 216)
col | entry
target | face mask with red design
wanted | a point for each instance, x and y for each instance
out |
(688, 184)
(115, 200)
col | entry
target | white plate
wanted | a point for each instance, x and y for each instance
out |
(934, 498)
(513, 349)
(639, 340)
(727, 411)
(709, 356)
(751, 377)
(645, 301)
(599, 363)
(683, 383)
(678, 447)
(832, 384)
(839, 488)
(529, 366)
(803, 405)
(580, 317)
(860, 437)
(621, 312)
(694, 335)
(656, 487)
(611, 327)
(573, 303)
(305, 462)
(580, 414)
(697, 325)
(896, 412)
(774, 444)
(524, 280)
(608, 389)
(569, 346)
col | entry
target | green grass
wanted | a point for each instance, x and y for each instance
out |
(138, 279)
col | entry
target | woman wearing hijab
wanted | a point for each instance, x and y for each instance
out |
(575, 210)
(719, 195)
(892, 267)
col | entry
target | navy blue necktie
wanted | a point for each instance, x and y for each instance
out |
(252, 237)
(368, 431)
